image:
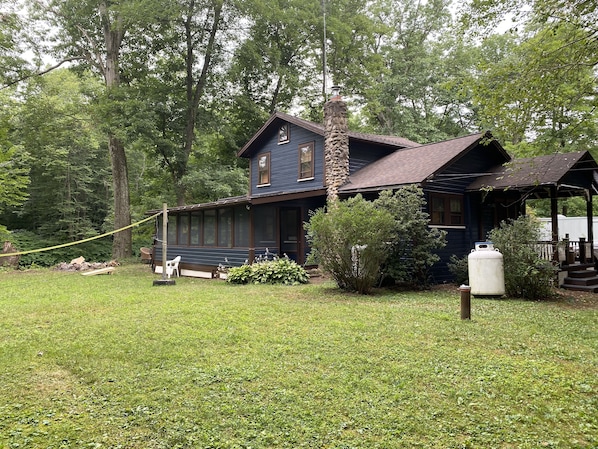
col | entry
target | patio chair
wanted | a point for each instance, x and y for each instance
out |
(172, 266)
(146, 255)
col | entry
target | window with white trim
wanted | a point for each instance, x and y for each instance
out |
(306, 160)
(283, 134)
(263, 169)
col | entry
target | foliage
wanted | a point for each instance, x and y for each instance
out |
(524, 98)
(14, 171)
(411, 253)
(270, 66)
(410, 96)
(537, 82)
(14, 36)
(350, 240)
(93, 251)
(526, 274)
(4, 234)
(69, 195)
(458, 267)
(280, 270)
(570, 207)
(110, 361)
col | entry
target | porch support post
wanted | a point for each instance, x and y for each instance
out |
(555, 221)
(590, 218)
(251, 252)
(590, 215)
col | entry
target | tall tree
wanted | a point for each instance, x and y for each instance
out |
(13, 65)
(401, 66)
(536, 85)
(272, 65)
(95, 31)
(14, 170)
(190, 51)
(68, 194)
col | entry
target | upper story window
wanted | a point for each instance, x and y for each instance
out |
(283, 133)
(263, 169)
(446, 210)
(306, 161)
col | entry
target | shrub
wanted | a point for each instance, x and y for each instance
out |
(526, 274)
(350, 241)
(412, 251)
(94, 251)
(262, 271)
(459, 269)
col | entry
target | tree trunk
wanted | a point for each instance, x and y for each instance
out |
(122, 243)
(195, 90)
(113, 36)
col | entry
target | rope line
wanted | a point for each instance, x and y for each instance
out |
(39, 250)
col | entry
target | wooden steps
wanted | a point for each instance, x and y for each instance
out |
(581, 277)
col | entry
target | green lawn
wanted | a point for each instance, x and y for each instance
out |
(115, 362)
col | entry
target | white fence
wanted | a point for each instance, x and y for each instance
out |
(576, 227)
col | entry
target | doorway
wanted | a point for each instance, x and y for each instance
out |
(290, 232)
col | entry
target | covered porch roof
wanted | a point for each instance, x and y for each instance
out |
(569, 174)
(551, 176)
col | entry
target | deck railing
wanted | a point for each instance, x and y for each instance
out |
(566, 252)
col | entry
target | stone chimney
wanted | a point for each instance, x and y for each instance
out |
(336, 145)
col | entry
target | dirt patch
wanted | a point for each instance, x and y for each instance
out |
(567, 298)
(577, 300)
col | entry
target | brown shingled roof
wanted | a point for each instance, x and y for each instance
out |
(410, 165)
(531, 172)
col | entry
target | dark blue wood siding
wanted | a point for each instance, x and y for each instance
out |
(203, 256)
(284, 163)
(362, 154)
(456, 177)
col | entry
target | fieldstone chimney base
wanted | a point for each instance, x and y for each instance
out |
(336, 146)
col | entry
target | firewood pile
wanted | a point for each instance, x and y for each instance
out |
(79, 264)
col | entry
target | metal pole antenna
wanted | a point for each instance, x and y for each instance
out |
(324, 50)
(164, 238)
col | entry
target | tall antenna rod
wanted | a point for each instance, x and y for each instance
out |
(324, 63)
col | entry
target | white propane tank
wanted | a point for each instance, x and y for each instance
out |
(486, 270)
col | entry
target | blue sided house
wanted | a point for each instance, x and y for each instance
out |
(470, 183)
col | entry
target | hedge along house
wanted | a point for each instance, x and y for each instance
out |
(295, 165)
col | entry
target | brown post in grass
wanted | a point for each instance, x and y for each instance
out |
(465, 302)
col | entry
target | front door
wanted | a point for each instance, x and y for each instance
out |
(290, 232)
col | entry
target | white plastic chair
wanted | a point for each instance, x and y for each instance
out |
(172, 266)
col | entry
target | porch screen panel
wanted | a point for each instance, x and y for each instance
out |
(209, 228)
(241, 220)
(172, 221)
(195, 232)
(225, 226)
(265, 226)
(183, 230)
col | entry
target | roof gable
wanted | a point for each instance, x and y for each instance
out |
(278, 118)
(417, 164)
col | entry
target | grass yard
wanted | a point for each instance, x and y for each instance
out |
(115, 362)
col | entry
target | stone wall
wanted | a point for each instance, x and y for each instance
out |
(336, 146)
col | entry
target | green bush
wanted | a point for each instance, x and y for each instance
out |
(412, 251)
(280, 270)
(350, 241)
(458, 267)
(526, 274)
(94, 251)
